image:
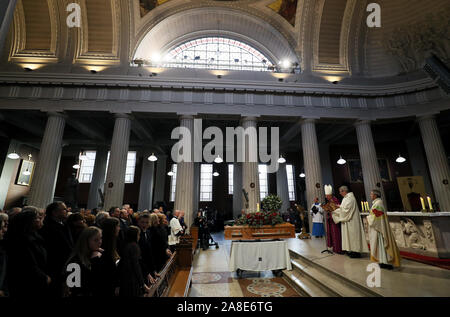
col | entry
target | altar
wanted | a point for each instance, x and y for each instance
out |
(423, 236)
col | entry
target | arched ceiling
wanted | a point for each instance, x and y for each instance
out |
(327, 36)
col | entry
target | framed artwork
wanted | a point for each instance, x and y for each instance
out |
(355, 171)
(25, 173)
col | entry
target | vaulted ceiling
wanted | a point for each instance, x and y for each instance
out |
(325, 36)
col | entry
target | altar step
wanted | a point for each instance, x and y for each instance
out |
(313, 280)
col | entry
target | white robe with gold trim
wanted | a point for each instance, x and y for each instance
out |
(353, 238)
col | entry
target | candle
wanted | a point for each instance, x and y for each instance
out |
(362, 206)
(367, 206)
(429, 203)
(257, 207)
(423, 203)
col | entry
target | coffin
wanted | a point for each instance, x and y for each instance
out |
(280, 231)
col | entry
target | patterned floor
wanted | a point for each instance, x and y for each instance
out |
(212, 279)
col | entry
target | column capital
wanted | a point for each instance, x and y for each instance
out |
(362, 122)
(309, 120)
(186, 115)
(59, 114)
(425, 117)
(122, 115)
(253, 118)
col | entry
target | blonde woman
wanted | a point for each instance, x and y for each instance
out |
(87, 254)
(159, 241)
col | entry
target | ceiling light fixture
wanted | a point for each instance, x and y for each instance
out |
(170, 173)
(215, 174)
(13, 156)
(400, 159)
(152, 158)
(76, 166)
(302, 175)
(281, 159)
(218, 159)
(341, 161)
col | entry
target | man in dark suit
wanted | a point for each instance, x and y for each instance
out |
(58, 243)
(147, 257)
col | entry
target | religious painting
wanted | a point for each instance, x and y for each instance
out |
(411, 189)
(286, 8)
(384, 170)
(25, 173)
(146, 6)
(355, 171)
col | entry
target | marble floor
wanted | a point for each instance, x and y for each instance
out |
(212, 278)
(411, 279)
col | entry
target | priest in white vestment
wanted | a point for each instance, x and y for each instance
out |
(353, 238)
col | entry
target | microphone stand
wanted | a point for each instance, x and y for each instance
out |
(326, 233)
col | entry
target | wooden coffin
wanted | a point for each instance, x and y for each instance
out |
(281, 231)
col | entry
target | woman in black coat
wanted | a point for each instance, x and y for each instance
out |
(87, 255)
(27, 257)
(159, 240)
(130, 273)
(109, 274)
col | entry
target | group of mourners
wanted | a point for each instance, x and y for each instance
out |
(120, 254)
(345, 231)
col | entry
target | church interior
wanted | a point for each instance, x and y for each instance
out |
(96, 94)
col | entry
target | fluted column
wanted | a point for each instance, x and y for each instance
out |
(184, 192)
(282, 187)
(98, 178)
(44, 178)
(369, 159)
(313, 170)
(160, 179)
(237, 189)
(8, 172)
(250, 173)
(7, 8)
(437, 160)
(115, 176)
(196, 201)
(146, 186)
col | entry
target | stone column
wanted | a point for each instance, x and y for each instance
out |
(8, 172)
(44, 179)
(237, 189)
(7, 8)
(437, 160)
(115, 176)
(311, 159)
(250, 173)
(98, 178)
(282, 187)
(160, 180)
(184, 193)
(369, 160)
(196, 188)
(146, 186)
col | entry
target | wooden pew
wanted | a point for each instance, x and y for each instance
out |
(176, 276)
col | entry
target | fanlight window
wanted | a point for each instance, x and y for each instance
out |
(217, 53)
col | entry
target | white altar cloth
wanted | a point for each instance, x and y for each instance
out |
(260, 256)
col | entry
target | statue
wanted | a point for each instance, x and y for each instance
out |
(303, 234)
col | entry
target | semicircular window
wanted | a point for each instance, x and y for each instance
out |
(217, 53)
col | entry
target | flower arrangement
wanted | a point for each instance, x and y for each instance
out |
(257, 219)
(268, 216)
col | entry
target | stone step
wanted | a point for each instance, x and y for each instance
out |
(336, 283)
(306, 286)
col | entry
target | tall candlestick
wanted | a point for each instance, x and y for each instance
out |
(257, 207)
(367, 206)
(429, 203)
(423, 203)
(362, 206)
